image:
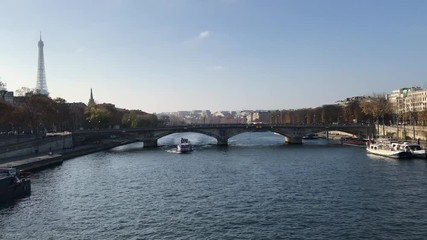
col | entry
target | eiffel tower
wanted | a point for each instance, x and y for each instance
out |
(41, 86)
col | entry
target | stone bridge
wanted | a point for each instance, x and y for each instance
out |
(221, 132)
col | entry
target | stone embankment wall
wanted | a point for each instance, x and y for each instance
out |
(408, 132)
(45, 145)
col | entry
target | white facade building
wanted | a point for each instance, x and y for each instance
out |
(404, 100)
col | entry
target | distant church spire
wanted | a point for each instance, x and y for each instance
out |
(91, 100)
(41, 86)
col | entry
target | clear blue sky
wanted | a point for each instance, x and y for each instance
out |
(170, 55)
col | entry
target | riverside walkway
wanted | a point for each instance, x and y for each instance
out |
(32, 163)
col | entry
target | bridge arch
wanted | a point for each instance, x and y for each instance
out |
(195, 137)
(223, 135)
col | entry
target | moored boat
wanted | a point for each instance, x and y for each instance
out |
(358, 142)
(415, 149)
(184, 146)
(386, 149)
(13, 185)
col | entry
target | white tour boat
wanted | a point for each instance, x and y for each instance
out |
(387, 149)
(184, 146)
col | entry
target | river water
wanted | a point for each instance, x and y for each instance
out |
(256, 188)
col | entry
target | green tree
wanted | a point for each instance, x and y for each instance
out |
(136, 119)
(98, 117)
(116, 115)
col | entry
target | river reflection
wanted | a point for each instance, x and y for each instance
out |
(256, 188)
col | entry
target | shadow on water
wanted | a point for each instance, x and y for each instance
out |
(10, 205)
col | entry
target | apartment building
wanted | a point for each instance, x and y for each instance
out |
(404, 100)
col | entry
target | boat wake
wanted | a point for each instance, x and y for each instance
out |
(175, 150)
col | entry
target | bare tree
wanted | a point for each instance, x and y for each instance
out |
(376, 106)
(422, 117)
(3, 90)
(23, 91)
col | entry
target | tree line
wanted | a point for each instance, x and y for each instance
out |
(34, 113)
(369, 110)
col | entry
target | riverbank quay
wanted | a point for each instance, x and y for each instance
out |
(87, 149)
(403, 132)
(34, 146)
(32, 163)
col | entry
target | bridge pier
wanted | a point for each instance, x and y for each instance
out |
(150, 143)
(222, 142)
(293, 140)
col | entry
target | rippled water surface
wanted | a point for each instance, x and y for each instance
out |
(257, 188)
